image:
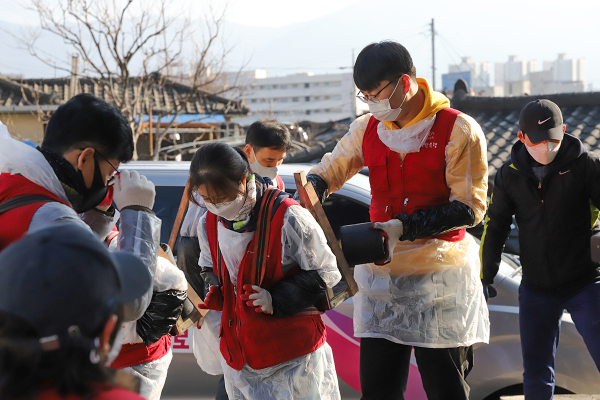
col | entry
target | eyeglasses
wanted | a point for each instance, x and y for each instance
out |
(374, 99)
(113, 178)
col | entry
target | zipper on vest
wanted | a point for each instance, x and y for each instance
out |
(405, 201)
(230, 323)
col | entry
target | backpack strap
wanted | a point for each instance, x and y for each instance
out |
(23, 200)
(261, 237)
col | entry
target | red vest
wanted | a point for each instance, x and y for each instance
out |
(249, 337)
(15, 223)
(418, 182)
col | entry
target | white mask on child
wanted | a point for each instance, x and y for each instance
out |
(228, 210)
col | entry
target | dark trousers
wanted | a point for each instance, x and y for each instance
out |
(384, 367)
(539, 320)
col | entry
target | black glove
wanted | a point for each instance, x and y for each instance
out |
(489, 292)
(320, 186)
(160, 316)
(209, 277)
(295, 293)
(436, 220)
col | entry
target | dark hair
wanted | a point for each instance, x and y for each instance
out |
(383, 61)
(86, 120)
(221, 168)
(268, 133)
(25, 369)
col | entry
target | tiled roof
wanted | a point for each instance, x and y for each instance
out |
(499, 119)
(163, 97)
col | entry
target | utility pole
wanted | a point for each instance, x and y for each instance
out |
(74, 81)
(432, 54)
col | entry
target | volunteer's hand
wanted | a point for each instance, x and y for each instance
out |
(255, 296)
(133, 189)
(213, 300)
(392, 231)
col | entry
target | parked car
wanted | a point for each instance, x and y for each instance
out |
(498, 365)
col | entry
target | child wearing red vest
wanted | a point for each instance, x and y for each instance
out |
(271, 263)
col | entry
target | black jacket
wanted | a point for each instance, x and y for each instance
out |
(555, 217)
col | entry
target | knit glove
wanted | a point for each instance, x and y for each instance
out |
(213, 300)
(133, 189)
(255, 296)
(392, 231)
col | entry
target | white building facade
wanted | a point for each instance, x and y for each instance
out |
(559, 76)
(301, 97)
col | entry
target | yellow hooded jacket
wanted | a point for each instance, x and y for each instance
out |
(466, 176)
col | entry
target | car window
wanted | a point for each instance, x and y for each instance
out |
(166, 205)
(341, 210)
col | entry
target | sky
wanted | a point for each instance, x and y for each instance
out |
(321, 36)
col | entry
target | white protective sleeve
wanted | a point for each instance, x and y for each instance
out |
(304, 243)
(139, 235)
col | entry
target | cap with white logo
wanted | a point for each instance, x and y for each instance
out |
(541, 120)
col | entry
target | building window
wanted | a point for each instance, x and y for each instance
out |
(253, 101)
(295, 85)
(327, 110)
(275, 86)
(307, 112)
(283, 100)
(294, 99)
(283, 86)
(306, 85)
(307, 98)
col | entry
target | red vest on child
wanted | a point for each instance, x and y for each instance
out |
(416, 183)
(254, 338)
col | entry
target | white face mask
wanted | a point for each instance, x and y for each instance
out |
(406, 140)
(116, 347)
(382, 110)
(268, 172)
(544, 153)
(229, 210)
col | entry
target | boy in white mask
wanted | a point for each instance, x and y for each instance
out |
(552, 187)
(428, 175)
(267, 142)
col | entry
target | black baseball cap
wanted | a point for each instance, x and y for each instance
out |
(541, 120)
(65, 283)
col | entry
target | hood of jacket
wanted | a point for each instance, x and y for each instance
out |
(434, 102)
(17, 158)
(570, 149)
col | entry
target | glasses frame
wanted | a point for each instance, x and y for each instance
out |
(365, 99)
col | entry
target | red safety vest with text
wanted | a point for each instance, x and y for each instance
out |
(416, 183)
(254, 338)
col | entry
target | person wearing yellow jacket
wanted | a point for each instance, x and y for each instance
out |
(428, 174)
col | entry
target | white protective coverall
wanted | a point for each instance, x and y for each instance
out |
(311, 376)
(140, 231)
(430, 295)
